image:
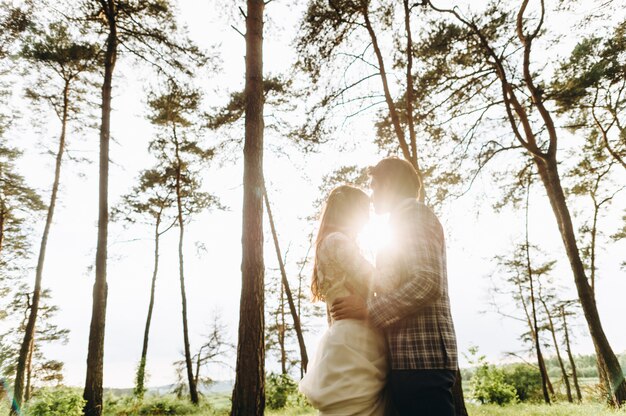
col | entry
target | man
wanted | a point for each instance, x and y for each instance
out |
(411, 304)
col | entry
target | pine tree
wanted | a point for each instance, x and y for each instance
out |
(181, 155)
(151, 202)
(249, 391)
(61, 62)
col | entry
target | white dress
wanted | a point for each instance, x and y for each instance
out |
(348, 373)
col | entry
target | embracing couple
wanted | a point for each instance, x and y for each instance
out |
(390, 348)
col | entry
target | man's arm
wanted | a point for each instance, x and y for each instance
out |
(425, 266)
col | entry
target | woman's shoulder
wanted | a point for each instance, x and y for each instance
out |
(334, 239)
(333, 244)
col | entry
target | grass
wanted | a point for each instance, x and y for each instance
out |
(558, 409)
(218, 405)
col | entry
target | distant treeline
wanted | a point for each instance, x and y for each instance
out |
(585, 366)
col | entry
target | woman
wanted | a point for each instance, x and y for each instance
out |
(348, 373)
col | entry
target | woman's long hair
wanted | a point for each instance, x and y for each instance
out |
(340, 214)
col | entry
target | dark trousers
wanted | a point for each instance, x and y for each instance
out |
(422, 392)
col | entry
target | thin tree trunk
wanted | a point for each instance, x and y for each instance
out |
(546, 386)
(409, 83)
(616, 388)
(29, 373)
(249, 391)
(542, 368)
(531, 329)
(196, 376)
(568, 348)
(592, 249)
(282, 330)
(95, 355)
(393, 111)
(141, 371)
(299, 297)
(193, 392)
(285, 284)
(29, 333)
(2, 220)
(568, 388)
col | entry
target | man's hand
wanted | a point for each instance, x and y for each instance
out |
(349, 307)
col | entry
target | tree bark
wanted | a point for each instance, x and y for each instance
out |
(95, 356)
(29, 373)
(607, 360)
(193, 392)
(285, 283)
(249, 391)
(568, 348)
(141, 371)
(29, 333)
(2, 221)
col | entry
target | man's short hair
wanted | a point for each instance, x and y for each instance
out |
(399, 174)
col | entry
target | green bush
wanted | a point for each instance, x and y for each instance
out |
(166, 406)
(526, 380)
(153, 406)
(279, 390)
(57, 402)
(488, 383)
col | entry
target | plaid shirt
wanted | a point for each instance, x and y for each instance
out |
(411, 303)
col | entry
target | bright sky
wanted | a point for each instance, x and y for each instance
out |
(475, 233)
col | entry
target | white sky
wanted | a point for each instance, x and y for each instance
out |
(475, 233)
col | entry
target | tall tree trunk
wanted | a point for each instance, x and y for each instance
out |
(95, 355)
(546, 385)
(542, 368)
(592, 248)
(282, 330)
(299, 296)
(568, 348)
(568, 388)
(531, 329)
(193, 392)
(285, 284)
(393, 111)
(29, 333)
(29, 373)
(2, 221)
(409, 87)
(141, 371)
(249, 391)
(607, 360)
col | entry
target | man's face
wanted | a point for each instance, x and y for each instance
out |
(379, 198)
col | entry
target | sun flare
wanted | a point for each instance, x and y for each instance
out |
(375, 236)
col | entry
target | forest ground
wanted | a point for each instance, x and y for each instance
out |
(218, 405)
(558, 409)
